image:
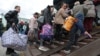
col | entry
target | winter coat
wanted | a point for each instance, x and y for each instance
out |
(60, 16)
(78, 9)
(12, 17)
(91, 9)
(47, 16)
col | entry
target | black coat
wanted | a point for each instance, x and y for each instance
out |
(47, 16)
(12, 17)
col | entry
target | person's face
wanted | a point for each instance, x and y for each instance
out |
(18, 9)
(36, 16)
(52, 9)
(64, 6)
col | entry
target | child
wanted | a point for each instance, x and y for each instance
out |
(33, 28)
(46, 34)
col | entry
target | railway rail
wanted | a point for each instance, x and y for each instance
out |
(92, 44)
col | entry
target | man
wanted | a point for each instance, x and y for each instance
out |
(90, 16)
(48, 17)
(12, 20)
(59, 20)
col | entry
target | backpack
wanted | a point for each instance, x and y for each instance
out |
(47, 30)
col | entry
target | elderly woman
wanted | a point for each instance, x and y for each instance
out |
(90, 16)
(59, 20)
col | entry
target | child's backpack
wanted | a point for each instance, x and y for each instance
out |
(47, 32)
(47, 29)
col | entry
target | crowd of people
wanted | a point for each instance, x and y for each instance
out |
(47, 26)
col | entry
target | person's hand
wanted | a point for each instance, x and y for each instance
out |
(13, 24)
(76, 20)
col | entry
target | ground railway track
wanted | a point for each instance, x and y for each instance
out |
(82, 42)
(52, 51)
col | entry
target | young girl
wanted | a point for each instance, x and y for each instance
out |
(46, 35)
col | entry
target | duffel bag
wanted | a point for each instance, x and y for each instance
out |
(14, 40)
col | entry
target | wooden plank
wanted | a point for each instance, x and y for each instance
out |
(92, 49)
(86, 37)
(88, 40)
(27, 53)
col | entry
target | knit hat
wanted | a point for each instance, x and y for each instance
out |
(77, 3)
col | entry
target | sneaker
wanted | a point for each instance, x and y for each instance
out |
(59, 42)
(62, 43)
(53, 46)
(75, 46)
(8, 53)
(30, 43)
(66, 52)
(42, 48)
(34, 43)
(14, 54)
(88, 35)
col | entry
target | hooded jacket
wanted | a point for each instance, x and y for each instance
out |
(91, 9)
(47, 15)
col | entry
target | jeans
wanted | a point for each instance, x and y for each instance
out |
(79, 23)
(73, 38)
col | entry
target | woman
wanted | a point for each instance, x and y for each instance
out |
(59, 20)
(90, 16)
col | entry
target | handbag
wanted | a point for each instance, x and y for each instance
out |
(69, 22)
(14, 40)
